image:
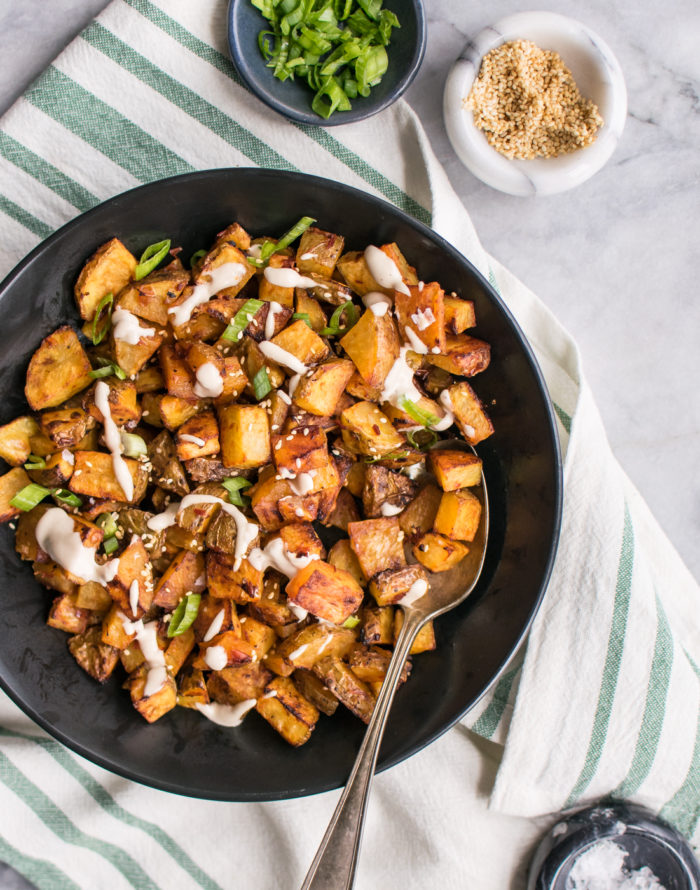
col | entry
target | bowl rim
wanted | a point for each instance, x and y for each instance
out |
(358, 112)
(515, 176)
(173, 787)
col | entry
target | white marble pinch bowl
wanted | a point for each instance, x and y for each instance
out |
(597, 74)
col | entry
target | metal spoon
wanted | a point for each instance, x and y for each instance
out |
(335, 862)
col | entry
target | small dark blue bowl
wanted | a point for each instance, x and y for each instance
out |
(292, 98)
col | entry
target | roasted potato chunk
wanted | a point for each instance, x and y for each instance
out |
(58, 370)
(455, 469)
(198, 436)
(373, 346)
(287, 711)
(11, 483)
(459, 515)
(245, 436)
(326, 591)
(346, 686)
(94, 476)
(320, 393)
(94, 656)
(459, 315)
(368, 430)
(469, 413)
(318, 252)
(15, 445)
(463, 355)
(438, 553)
(422, 311)
(378, 544)
(389, 587)
(108, 270)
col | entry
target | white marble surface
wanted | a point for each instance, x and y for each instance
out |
(615, 259)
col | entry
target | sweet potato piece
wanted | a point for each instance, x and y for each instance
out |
(423, 311)
(131, 357)
(58, 370)
(149, 380)
(113, 633)
(260, 637)
(234, 234)
(342, 556)
(225, 251)
(11, 483)
(425, 638)
(287, 711)
(463, 355)
(459, 315)
(304, 647)
(192, 689)
(175, 411)
(53, 576)
(388, 588)
(209, 609)
(226, 582)
(368, 430)
(178, 651)
(378, 544)
(403, 421)
(344, 512)
(15, 446)
(301, 451)
(318, 251)
(377, 625)
(307, 305)
(123, 403)
(185, 574)
(150, 297)
(94, 476)
(418, 517)
(320, 393)
(134, 569)
(94, 656)
(300, 539)
(370, 664)
(455, 469)
(438, 553)
(235, 381)
(275, 292)
(66, 426)
(65, 615)
(458, 515)
(348, 688)
(245, 435)
(228, 649)
(469, 413)
(373, 346)
(357, 387)
(198, 436)
(314, 691)
(272, 607)
(108, 270)
(382, 487)
(179, 379)
(238, 683)
(302, 342)
(151, 707)
(325, 591)
(253, 361)
(201, 326)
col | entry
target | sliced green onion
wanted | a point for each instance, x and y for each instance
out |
(269, 247)
(242, 319)
(302, 316)
(35, 463)
(196, 257)
(29, 496)
(394, 455)
(234, 485)
(133, 445)
(103, 307)
(334, 327)
(150, 258)
(107, 523)
(110, 544)
(184, 615)
(351, 622)
(66, 497)
(108, 369)
(428, 438)
(261, 384)
(415, 412)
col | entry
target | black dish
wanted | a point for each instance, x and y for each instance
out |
(182, 752)
(292, 98)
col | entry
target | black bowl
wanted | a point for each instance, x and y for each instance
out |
(183, 752)
(292, 98)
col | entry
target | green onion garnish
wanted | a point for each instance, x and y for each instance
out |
(261, 384)
(104, 307)
(196, 257)
(184, 615)
(234, 485)
(242, 319)
(334, 328)
(394, 455)
(302, 316)
(35, 463)
(133, 445)
(269, 247)
(415, 412)
(29, 496)
(351, 622)
(107, 523)
(427, 439)
(108, 369)
(150, 258)
(110, 544)
(66, 497)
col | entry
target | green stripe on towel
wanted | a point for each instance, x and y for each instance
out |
(24, 218)
(488, 722)
(44, 874)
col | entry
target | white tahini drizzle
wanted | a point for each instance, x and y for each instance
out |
(113, 440)
(215, 626)
(283, 395)
(216, 658)
(134, 596)
(56, 535)
(299, 612)
(282, 357)
(399, 382)
(417, 345)
(384, 270)
(415, 592)
(226, 275)
(423, 318)
(275, 555)
(300, 483)
(388, 509)
(195, 440)
(227, 715)
(147, 639)
(208, 381)
(68, 457)
(298, 652)
(449, 418)
(126, 327)
(377, 303)
(288, 278)
(273, 310)
(246, 531)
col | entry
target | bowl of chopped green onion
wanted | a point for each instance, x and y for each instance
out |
(327, 62)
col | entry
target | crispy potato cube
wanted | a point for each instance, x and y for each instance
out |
(303, 343)
(318, 252)
(154, 706)
(235, 381)
(238, 683)
(11, 483)
(300, 451)
(370, 664)
(254, 361)
(200, 354)
(123, 403)
(245, 436)
(93, 596)
(459, 315)
(358, 388)
(383, 487)
(197, 518)
(198, 436)
(300, 539)
(353, 267)
(455, 469)
(234, 234)
(65, 426)
(389, 587)
(108, 270)
(287, 711)
(226, 582)
(94, 476)
(93, 656)
(425, 638)
(346, 686)
(67, 616)
(58, 370)
(168, 472)
(320, 393)
(418, 517)
(151, 297)
(209, 610)
(307, 305)
(113, 633)
(373, 346)
(185, 574)
(377, 625)
(295, 507)
(222, 533)
(223, 252)
(463, 355)
(131, 658)
(131, 357)
(57, 472)
(25, 534)
(15, 446)
(260, 637)
(178, 651)
(325, 591)
(304, 648)
(175, 411)
(134, 570)
(469, 413)
(202, 326)
(344, 512)
(438, 553)
(378, 544)
(275, 292)
(192, 689)
(179, 379)
(314, 691)
(423, 311)
(228, 645)
(51, 575)
(342, 556)
(368, 430)
(459, 515)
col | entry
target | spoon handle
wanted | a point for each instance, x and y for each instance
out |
(335, 862)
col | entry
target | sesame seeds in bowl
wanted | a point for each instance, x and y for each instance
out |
(547, 110)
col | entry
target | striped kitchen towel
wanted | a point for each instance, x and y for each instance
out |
(605, 697)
